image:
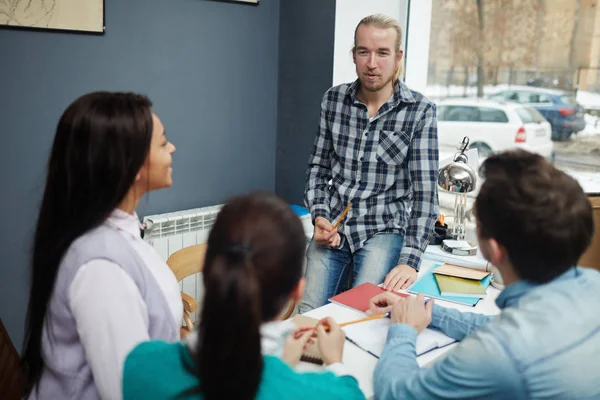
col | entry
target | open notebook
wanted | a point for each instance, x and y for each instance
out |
(371, 335)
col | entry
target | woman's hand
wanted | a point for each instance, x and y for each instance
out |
(331, 342)
(295, 344)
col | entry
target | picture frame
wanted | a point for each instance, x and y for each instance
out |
(84, 16)
(246, 2)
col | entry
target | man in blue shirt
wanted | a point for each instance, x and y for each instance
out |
(377, 145)
(533, 223)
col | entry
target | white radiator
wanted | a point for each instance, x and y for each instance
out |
(170, 232)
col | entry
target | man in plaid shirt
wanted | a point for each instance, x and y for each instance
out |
(377, 150)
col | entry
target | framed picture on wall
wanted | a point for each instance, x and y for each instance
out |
(251, 2)
(63, 15)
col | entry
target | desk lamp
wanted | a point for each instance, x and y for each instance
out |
(460, 178)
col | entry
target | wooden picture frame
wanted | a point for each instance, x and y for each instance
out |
(57, 15)
(247, 2)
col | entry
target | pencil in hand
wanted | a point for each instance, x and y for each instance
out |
(328, 328)
(342, 216)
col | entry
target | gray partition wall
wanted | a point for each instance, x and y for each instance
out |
(237, 87)
(211, 69)
(306, 42)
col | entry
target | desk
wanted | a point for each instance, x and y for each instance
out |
(360, 364)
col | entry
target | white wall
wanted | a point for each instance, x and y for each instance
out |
(348, 14)
(417, 47)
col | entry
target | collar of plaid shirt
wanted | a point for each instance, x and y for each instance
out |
(401, 93)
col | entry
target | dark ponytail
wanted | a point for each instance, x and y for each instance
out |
(231, 364)
(253, 263)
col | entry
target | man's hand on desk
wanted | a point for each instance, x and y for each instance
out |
(324, 233)
(400, 277)
(413, 311)
(382, 303)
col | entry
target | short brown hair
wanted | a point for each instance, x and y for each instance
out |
(537, 212)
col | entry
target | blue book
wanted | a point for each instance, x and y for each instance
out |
(429, 287)
(299, 210)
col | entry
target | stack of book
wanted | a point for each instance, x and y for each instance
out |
(453, 283)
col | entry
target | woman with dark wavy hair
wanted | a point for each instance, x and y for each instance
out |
(97, 288)
(253, 267)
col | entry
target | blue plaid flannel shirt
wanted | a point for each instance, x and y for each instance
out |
(386, 168)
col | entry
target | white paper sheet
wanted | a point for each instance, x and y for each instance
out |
(372, 335)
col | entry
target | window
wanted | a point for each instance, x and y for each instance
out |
(501, 96)
(535, 114)
(538, 98)
(459, 114)
(539, 56)
(568, 100)
(514, 97)
(441, 113)
(530, 98)
(525, 115)
(488, 114)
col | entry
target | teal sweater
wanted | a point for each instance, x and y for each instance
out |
(157, 370)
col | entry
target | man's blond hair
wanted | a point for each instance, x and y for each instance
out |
(383, 22)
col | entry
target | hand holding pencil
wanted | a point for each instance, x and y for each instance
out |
(330, 341)
(327, 234)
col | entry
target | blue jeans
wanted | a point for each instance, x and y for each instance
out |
(328, 269)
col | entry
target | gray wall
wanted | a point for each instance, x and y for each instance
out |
(305, 72)
(211, 69)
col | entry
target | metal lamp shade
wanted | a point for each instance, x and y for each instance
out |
(457, 177)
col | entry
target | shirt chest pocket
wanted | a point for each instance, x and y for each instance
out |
(392, 147)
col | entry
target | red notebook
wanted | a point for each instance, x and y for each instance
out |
(358, 297)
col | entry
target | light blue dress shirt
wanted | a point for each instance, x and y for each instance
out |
(545, 344)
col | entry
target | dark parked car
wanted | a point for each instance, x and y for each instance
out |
(559, 107)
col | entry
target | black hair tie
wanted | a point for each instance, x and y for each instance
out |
(240, 250)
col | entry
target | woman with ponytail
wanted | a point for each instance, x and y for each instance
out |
(97, 288)
(253, 267)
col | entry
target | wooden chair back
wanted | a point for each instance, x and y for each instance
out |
(189, 261)
(186, 262)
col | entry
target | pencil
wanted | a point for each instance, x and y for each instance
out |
(365, 319)
(326, 327)
(342, 216)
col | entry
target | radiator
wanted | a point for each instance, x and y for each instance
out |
(170, 232)
(173, 231)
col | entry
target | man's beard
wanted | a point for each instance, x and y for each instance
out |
(374, 87)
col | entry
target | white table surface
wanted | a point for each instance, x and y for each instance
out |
(361, 364)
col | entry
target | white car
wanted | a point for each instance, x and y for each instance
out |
(493, 126)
